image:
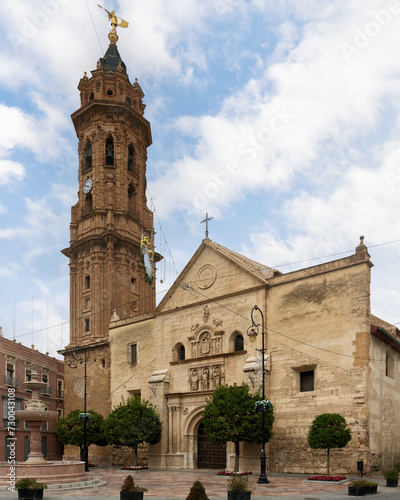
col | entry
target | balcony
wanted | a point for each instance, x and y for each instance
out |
(46, 391)
(11, 381)
(60, 394)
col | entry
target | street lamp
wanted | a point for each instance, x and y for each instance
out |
(252, 332)
(83, 416)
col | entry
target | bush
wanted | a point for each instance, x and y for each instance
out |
(129, 485)
(29, 483)
(397, 466)
(391, 475)
(239, 484)
(197, 492)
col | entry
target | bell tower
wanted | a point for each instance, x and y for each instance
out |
(111, 232)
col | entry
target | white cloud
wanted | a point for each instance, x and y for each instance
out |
(10, 170)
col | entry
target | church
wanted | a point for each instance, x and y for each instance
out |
(325, 352)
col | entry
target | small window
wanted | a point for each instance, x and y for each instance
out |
(87, 325)
(110, 151)
(87, 282)
(128, 101)
(389, 367)
(133, 284)
(132, 354)
(110, 92)
(45, 378)
(131, 157)
(10, 370)
(181, 352)
(28, 375)
(88, 205)
(239, 344)
(91, 96)
(87, 156)
(307, 381)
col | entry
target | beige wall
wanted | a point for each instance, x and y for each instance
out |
(315, 319)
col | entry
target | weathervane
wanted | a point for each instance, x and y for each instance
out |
(206, 220)
(115, 21)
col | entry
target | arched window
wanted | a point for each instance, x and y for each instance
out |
(181, 352)
(238, 343)
(87, 156)
(110, 151)
(131, 158)
(88, 204)
(132, 200)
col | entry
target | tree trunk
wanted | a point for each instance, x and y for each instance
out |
(328, 468)
(134, 449)
(236, 456)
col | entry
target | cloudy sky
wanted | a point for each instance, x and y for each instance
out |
(280, 118)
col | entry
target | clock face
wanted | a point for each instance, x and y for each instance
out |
(87, 186)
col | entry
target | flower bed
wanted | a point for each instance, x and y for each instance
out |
(134, 467)
(326, 478)
(233, 473)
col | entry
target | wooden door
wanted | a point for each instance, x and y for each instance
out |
(209, 456)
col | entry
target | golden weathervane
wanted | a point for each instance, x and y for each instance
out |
(115, 21)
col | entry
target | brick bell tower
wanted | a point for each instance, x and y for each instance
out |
(111, 232)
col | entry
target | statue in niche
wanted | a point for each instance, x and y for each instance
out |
(194, 380)
(193, 350)
(206, 381)
(205, 344)
(206, 313)
(217, 345)
(217, 376)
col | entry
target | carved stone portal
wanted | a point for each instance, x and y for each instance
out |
(206, 377)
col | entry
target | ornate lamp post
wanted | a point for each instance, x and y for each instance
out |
(83, 416)
(252, 332)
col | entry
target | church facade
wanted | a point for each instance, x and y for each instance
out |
(325, 351)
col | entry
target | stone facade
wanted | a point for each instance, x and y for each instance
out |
(325, 353)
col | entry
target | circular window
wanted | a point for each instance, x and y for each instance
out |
(206, 276)
(110, 92)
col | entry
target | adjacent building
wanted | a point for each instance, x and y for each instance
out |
(17, 362)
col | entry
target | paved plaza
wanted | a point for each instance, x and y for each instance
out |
(171, 484)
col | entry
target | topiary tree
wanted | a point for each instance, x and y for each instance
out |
(197, 492)
(230, 416)
(70, 430)
(131, 423)
(328, 431)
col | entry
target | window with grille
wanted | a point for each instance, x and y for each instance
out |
(239, 344)
(307, 381)
(181, 352)
(132, 353)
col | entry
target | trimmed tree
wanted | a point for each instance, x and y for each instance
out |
(70, 430)
(328, 431)
(131, 423)
(230, 416)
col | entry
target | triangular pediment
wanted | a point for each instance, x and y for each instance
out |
(214, 271)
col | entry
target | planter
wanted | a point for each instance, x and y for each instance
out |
(392, 483)
(131, 495)
(239, 495)
(356, 491)
(30, 494)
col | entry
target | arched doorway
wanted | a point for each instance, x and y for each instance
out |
(209, 456)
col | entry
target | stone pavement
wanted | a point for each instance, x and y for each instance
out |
(175, 484)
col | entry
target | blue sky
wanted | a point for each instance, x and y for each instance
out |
(278, 118)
